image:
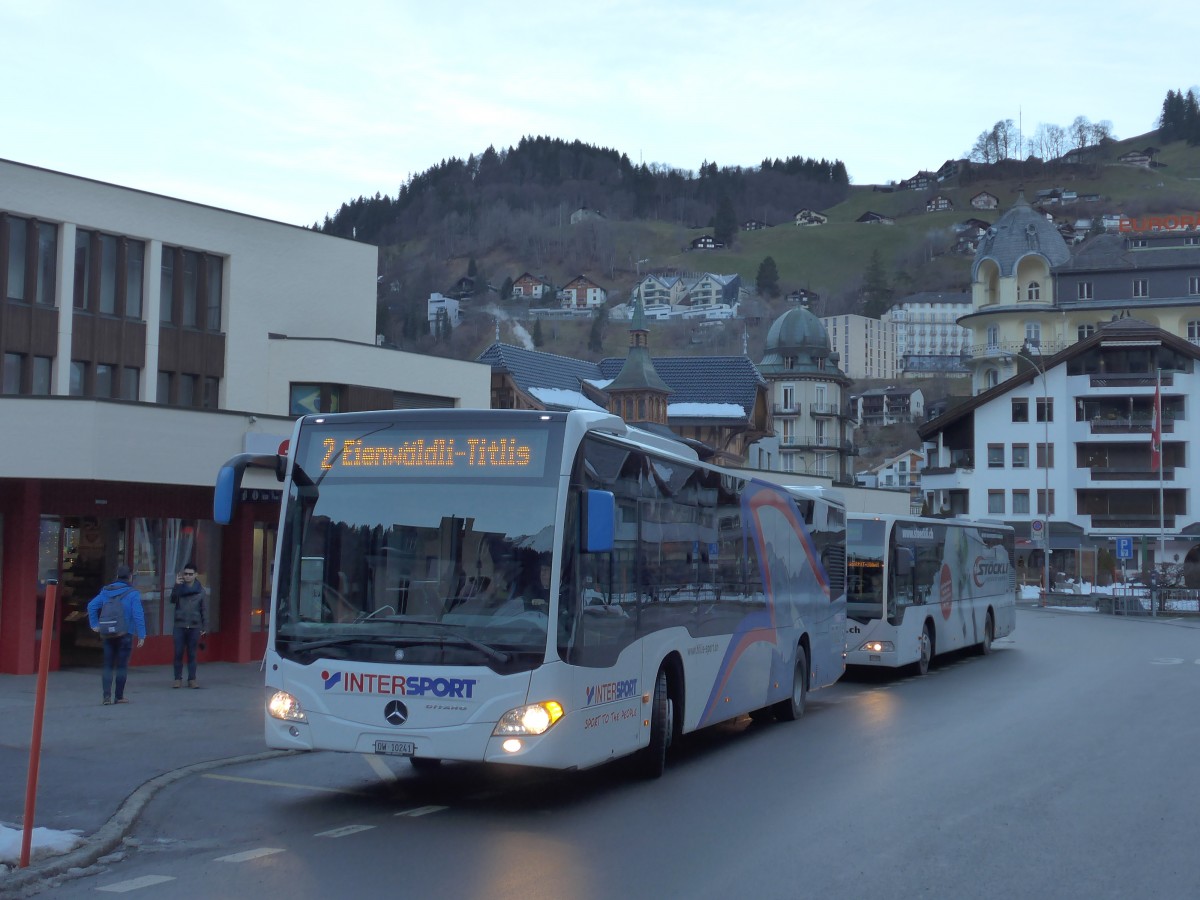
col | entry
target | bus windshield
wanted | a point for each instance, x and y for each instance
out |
(385, 563)
(864, 568)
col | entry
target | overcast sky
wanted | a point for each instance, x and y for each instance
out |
(286, 110)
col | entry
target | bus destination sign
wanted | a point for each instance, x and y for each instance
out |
(401, 453)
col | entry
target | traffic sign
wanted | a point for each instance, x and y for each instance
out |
(1124, 548)
(1038, 529)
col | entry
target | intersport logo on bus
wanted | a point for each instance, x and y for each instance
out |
(1184, 222)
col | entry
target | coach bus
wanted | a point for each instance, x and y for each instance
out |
(549, 589)
(920, 587)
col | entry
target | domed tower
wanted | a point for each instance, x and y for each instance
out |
(1012, 294)
(811, 421)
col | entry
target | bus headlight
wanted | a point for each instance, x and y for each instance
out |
(283, 705)
(537, 718)
(878, 647)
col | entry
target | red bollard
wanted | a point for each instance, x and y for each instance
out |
(39, 706)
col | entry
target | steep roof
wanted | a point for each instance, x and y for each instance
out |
(1111, 251)
(534, 369)
(702, 379)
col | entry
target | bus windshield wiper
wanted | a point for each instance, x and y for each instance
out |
(399, 640)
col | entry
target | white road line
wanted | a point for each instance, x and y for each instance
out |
(380, 767)
(136, 884)
(247, 855)
(343, 831)
(283, 784)
(421, 811)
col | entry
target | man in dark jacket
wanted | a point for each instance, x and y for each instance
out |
(118, 647)
(191, 622)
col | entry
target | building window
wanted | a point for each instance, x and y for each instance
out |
(1020, 456)
(1045, 456)
(1034, 291)
(327, 398)
(78, 377)
(1085, 331)
(42, 367)
(166, 287)
(789, 397)
(83, 266)
(212, 291)
(995, 456)
(1141, 288)
(1020, 409)
(1041, 503)
(103, 381)
(991, 379)
(993, 337)
(187, 390)
(1020, 502)
(1045, 409)
(1033, 334)
(1191, 241)
(191, 288)
(995, 502)
(47, 274)
(1137, 243)
(108, 274)
(18, 229)
(1194, 285)
(12, 373)
(130, 381)
(212, 392)
(1083, 290)
(1193, 331)
(135, 267)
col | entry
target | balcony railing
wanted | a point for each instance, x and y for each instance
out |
(823, 409)
(1012, 348)
(1130, 473)
(1122, 520)
(1126, 425)
(1122, 380)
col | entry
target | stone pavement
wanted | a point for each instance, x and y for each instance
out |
(100, 764)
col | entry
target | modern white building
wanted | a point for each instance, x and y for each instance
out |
(1064, 445)
(929, 340)
(867, 347)
(145, 341)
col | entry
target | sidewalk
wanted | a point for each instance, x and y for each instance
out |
(101, 764)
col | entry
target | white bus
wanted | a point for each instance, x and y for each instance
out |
(541, 589)
(919, 587)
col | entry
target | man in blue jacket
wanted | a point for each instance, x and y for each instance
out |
(117, 647)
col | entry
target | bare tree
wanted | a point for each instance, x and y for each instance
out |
(1081, 132)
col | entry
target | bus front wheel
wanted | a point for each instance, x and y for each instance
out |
(791, 709)
(662, 710)
(921, 666)
(989, 632)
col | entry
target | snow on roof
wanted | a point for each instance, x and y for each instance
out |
(706, 410)
(560, 397)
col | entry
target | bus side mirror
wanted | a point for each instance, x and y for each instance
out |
(229, 481)
(598, 521)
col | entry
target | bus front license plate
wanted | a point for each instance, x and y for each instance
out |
(395, 748)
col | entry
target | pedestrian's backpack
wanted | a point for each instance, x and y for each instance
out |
(111, 620)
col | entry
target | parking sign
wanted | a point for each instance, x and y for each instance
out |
(1124, 548)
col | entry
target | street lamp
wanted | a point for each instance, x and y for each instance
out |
(1028, 352)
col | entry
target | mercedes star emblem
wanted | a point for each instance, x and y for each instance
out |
(396, 713)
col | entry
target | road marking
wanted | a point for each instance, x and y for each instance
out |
(285, 784)
(135, 884)
(247, 855)
(343, 831)
(380, 767)
(1167, 661)
(421, 811)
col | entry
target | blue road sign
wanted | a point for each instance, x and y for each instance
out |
(1124, 548)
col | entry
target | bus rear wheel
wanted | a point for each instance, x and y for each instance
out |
(791, 709)
(662, 713)
(921, 666)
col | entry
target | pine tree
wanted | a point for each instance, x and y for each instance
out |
(596, 334)
(538, 339)
(767, 281)
(725, 222)
(876, 292)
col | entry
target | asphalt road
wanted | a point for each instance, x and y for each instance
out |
(1063, 765)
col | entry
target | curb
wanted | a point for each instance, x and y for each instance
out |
(112, 832)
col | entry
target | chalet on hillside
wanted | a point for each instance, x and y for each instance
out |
(985, 200)
(940, 203)
(530, 287)
(919, 182)
(753, 225)
(706, 242)
(810, 217)
(874, 218)
(1135, 158)
(950, 168)
(582, 293)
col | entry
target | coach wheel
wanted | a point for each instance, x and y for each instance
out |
(662, 724)
(793, 708)
(989, 632)
(922, 665)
